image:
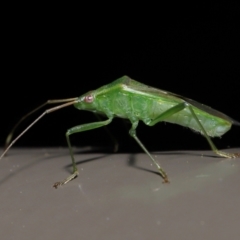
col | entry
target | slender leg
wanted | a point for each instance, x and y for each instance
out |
(161, 117)
(213, 147)
(166, 115)
(180, 107)
(132, 132)
(77, 129)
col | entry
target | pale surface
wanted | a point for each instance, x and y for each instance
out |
(118, 196)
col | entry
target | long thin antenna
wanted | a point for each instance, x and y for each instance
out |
(10, 135)
(36, 120)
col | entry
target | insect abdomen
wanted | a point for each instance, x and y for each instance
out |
(214, 126)
(152, 108)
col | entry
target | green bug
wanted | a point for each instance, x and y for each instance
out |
(127, 98)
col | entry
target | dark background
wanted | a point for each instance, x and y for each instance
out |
(62, 53)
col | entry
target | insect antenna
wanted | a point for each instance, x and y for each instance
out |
(8, 143)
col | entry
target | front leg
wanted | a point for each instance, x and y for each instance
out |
(76, 129)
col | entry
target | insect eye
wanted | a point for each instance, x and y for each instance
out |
(89, 98)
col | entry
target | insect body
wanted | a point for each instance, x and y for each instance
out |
(127, 98)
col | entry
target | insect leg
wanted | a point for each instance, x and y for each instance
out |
(132, 132)
(77, 129)
(161, 117)
(167, 113)
(213, 147)
(180, 107)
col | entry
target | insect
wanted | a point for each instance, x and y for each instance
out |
(127, 98)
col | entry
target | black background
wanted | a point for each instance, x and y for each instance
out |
(57, 52)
